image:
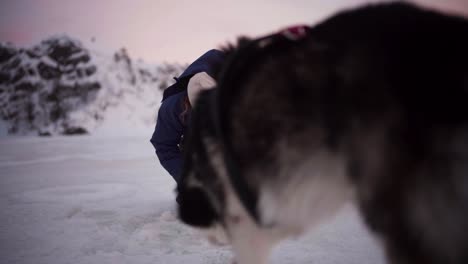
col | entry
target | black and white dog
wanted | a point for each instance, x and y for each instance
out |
(370, 105)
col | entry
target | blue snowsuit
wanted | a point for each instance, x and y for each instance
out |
(169, 126)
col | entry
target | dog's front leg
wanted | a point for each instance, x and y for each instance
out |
(250, 243)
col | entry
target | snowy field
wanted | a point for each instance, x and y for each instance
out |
(107, 200)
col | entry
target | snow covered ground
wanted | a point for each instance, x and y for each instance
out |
(107, 200)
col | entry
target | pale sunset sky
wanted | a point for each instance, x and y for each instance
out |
(167, 30)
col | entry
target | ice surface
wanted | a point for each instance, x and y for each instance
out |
(107, 200)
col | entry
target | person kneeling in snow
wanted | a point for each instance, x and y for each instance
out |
(174, 113)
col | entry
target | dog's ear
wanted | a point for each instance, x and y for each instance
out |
(195, 208)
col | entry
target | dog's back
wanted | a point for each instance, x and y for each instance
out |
(372, 104)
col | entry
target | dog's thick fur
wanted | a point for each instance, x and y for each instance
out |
(371, 106)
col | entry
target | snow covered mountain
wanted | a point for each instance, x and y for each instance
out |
(61, 87)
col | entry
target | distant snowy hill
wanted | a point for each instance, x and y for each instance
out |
(61, 87)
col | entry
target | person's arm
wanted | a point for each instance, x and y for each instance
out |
(167, 135)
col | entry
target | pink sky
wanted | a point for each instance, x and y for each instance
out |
(166, 30)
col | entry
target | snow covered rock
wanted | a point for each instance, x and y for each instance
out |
(61, 87)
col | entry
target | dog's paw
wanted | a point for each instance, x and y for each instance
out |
(216, 236)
